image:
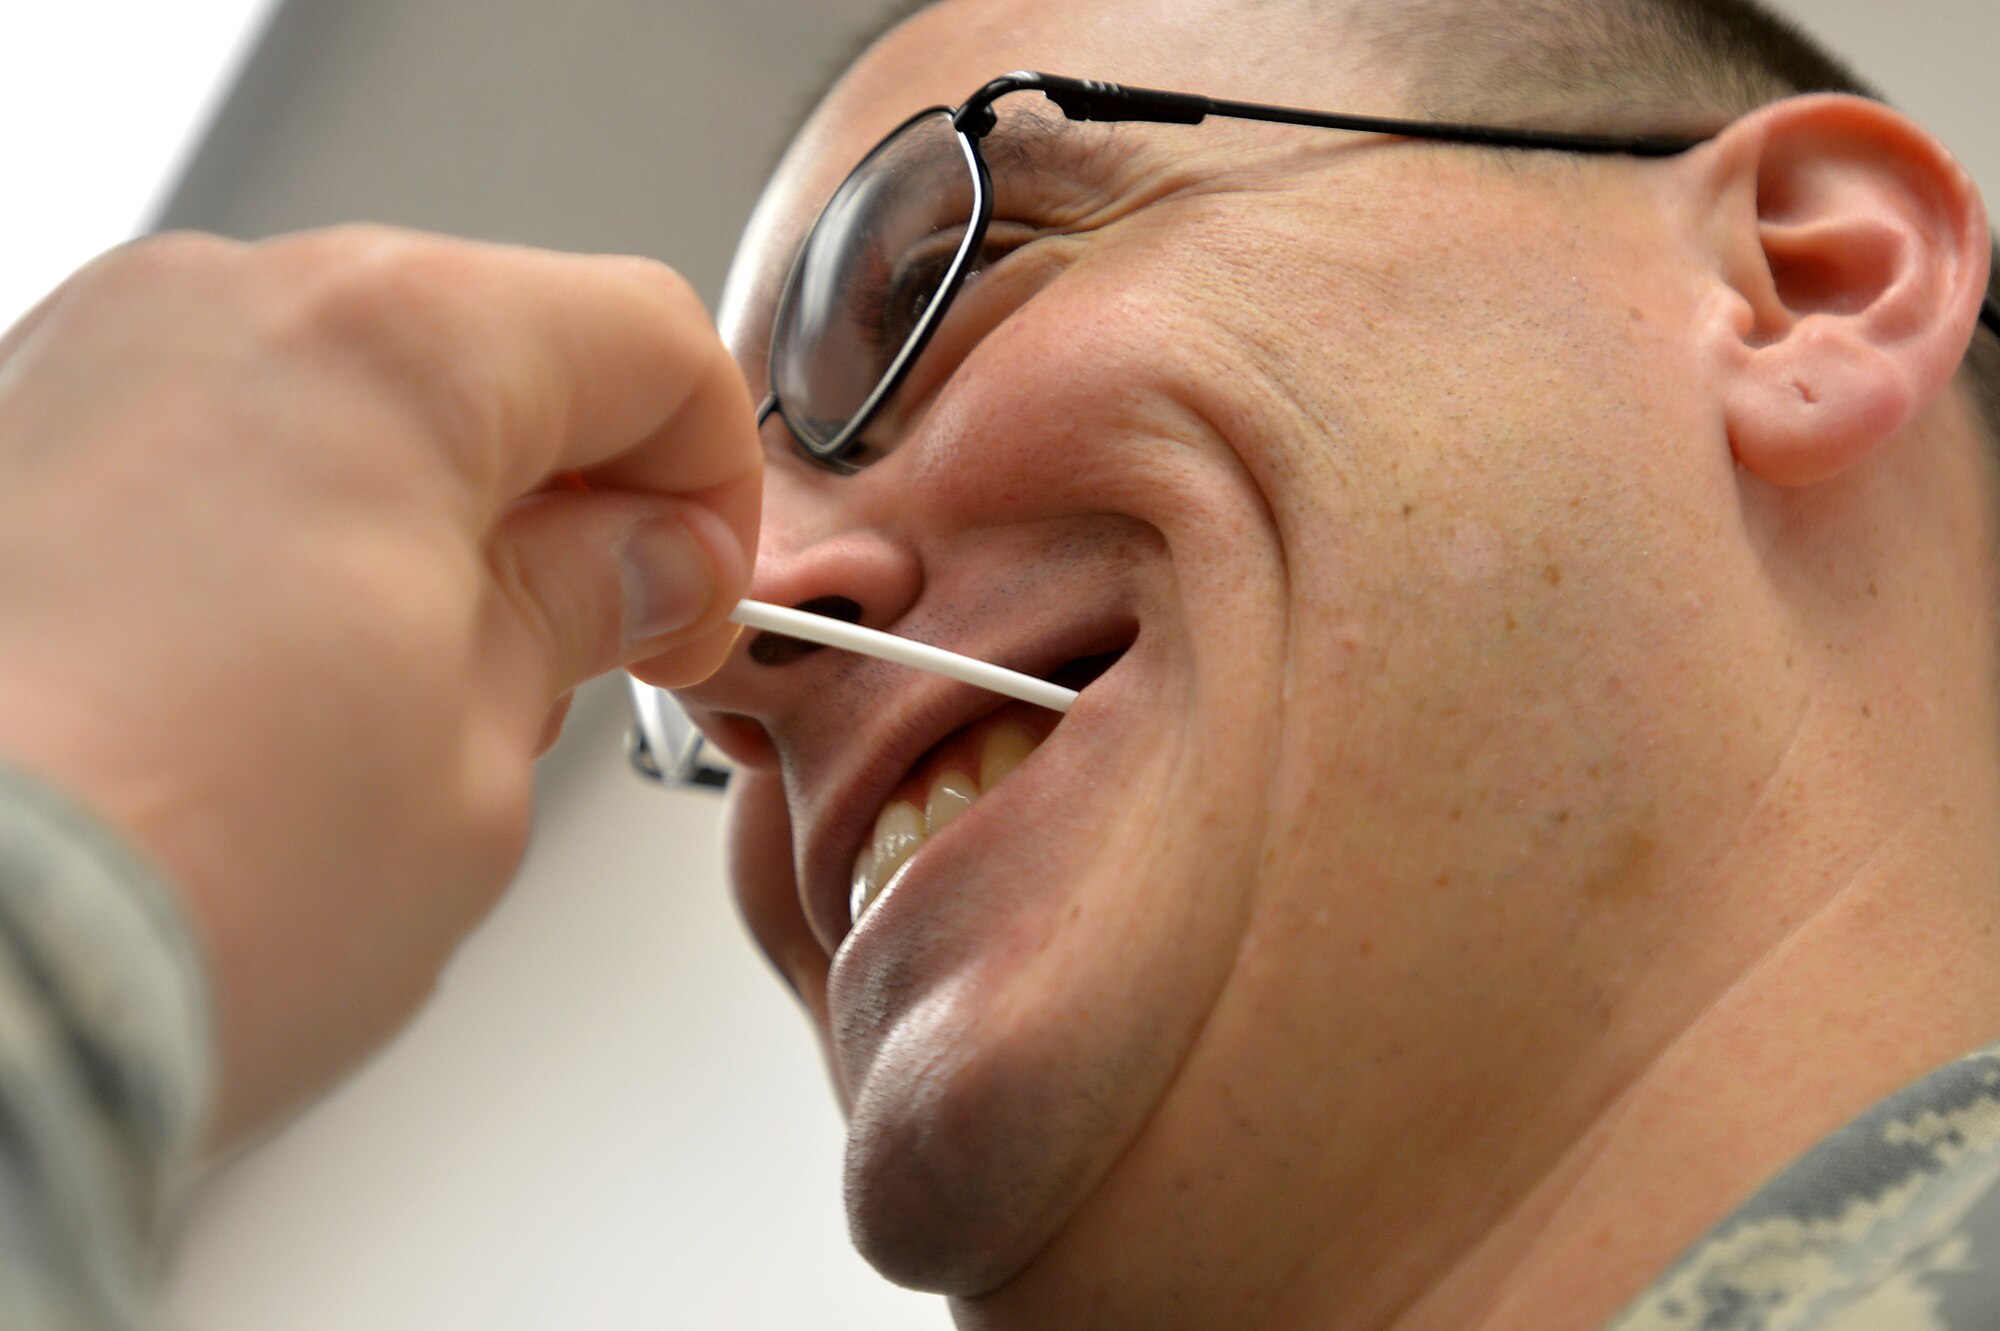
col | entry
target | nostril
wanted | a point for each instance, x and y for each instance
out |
(772, 649)
(768, 649)
(833, 607)
(1084, 671)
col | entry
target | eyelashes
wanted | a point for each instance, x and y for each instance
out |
(889, 308)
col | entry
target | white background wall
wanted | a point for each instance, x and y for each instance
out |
(611, 1117)
(100, 104)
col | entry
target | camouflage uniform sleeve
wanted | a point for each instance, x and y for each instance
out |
(1890, 1224)
(104, 1062)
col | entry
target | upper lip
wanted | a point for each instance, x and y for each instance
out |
(902, 727)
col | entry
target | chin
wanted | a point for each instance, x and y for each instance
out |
(958, 1177)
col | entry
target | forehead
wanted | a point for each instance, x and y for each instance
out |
(1258, 50)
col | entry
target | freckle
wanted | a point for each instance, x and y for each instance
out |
(1457, 815)
(1788, 660)
(1409, 509)
(1637, 317)
(1075, 910)
(1511, 625)
(1562, 816)
(1626, 874)
(1367, 946)
(1866, 710)
(1443, 880)
(1553, 575)
(1594, 771)
(1871, 588)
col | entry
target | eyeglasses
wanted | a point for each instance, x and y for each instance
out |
(897, 241)
(894, 246)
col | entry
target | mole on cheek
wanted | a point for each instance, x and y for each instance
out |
(1627, 873)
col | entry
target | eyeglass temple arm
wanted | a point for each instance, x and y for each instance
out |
(1089, 99)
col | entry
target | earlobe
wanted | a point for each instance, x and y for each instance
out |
(1854, 250)
(1813, 403)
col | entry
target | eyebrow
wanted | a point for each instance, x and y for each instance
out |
(1035, 141)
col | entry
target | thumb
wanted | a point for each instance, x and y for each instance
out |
(603, 578)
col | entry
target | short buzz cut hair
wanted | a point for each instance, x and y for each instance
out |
(1644, 66)
(1604, 66)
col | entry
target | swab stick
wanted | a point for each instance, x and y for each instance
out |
(888, 647)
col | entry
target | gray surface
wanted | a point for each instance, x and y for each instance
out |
(1935, 60)
(611, 125)
(612, 1117)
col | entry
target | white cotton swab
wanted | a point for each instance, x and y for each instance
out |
(888, 647)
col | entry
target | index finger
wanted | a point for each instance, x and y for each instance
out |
(530, 363)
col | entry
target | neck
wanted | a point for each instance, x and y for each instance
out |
(1787, 1051)
(1835, 946)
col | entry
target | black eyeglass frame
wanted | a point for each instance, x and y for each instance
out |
(664, 746)
(1090, 100)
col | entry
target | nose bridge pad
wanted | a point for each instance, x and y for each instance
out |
(774, 649)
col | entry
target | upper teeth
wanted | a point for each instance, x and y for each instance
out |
(902, 828)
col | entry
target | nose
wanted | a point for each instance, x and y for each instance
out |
(833, 545)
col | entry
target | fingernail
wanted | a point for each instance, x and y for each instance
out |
(666, 578)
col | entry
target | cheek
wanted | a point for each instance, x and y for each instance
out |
(1114, 399)
(1104, 394)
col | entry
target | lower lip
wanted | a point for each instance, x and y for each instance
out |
(933, 887)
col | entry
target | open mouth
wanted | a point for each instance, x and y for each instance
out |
(953, 776)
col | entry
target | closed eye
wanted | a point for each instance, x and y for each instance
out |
(889, 305)
(1010, 270)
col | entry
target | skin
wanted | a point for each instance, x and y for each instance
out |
(1551, 690)
(297, 579)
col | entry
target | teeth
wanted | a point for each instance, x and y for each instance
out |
(1007, 744)
(898, 833)
(952, 793)
(866, 885)
(901, 829)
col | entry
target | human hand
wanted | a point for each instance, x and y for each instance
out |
(292, 592)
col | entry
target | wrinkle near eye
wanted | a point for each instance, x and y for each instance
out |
(1068, 177)
(984, 304)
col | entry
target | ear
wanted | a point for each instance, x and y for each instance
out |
(1854, 252)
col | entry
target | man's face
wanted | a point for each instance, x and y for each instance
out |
(1363, 465)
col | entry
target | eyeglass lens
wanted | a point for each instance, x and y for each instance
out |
(877, 259)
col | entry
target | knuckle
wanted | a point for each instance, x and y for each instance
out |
(175, 249)
(364, 285)
(393, 305)
(678, 293)
(170, 256)
(667, 284)
(685, 323)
